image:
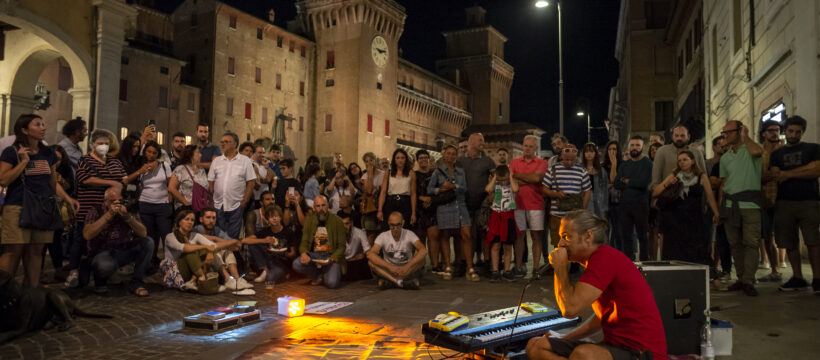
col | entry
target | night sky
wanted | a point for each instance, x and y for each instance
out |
(590, 68)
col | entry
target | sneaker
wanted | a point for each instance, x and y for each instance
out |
(794, 284)
(72, 280)
(222, 289)
(411, 285)
(783, 265)
(815, 286)
(230, 283)
(508, 276)
(189, 286)
(536, 275)
(725, 276)
(772, 277)
(244, 284)
(737, 286)
(246, 292)
(749, 290)
(495, 276)
(261, 277)
(519, 273)
(437, 270)
(764, 266)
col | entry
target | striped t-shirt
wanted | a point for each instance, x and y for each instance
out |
(89, 195)
(572, 180)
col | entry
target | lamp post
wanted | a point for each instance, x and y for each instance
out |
(589, 129)
(542, 4)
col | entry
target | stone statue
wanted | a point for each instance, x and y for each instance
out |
(278, 130)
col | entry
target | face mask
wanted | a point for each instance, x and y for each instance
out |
(101, 149)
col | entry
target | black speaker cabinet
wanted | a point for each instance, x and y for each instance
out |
(681, 290)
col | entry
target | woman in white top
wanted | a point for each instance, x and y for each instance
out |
(155, 212)
(188, 172)
(398, 191)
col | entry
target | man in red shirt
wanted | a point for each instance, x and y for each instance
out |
(624, 306)
(528, 171)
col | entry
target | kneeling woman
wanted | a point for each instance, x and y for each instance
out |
(191, 251)
(274, 246)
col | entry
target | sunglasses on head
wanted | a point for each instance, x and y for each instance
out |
(570, 150)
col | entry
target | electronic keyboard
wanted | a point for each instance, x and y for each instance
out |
(495, 329)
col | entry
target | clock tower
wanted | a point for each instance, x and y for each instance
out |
(355, 74)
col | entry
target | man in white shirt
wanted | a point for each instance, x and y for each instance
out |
(402, 259)
(231, 179)
(357, 246)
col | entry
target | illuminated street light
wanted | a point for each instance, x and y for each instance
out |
(589, 129)
(542, 4)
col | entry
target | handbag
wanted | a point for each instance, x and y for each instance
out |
(200, 196)
(368, 201)
(571, 201)
(39, 212)
(669, 195)
(208, 286)
(443, 197)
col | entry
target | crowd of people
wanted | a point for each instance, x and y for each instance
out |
(204, 214)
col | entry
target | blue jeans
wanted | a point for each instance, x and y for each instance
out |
(158, 221)
(230, 221)
(276, 266)
(331, 273)
(138, 251)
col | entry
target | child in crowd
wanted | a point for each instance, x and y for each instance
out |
(502, 228)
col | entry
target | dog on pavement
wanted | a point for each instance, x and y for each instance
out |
(31, 309)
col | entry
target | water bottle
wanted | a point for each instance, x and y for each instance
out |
(707, 352)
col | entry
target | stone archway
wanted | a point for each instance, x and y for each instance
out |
(31, 43)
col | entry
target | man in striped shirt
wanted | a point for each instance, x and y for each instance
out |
(563, 180)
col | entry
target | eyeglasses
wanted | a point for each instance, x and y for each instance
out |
(395, 225)
(772, 130)
(724, 132)
(570, 150)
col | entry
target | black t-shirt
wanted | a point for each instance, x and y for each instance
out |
(282, 190)
(286, 238)
(792, 157)
(37, 173)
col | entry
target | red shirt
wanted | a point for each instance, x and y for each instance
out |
(627, 309)
(529, 196)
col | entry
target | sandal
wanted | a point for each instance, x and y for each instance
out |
(472, 275)
(447, 274)
(140, 292)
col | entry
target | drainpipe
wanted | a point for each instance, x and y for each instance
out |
(751, 102)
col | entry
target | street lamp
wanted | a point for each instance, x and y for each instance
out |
(542, 4)
(589, 129)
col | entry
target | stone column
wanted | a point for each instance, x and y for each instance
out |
(113, 17)
(12, 107)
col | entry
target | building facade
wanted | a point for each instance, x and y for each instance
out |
(642, 102)
(761, 63)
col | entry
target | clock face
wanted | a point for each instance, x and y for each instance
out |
(379, 51)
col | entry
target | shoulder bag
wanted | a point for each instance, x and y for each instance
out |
(669, 195)
(200, 196)
(571, 201)
(39, 211)
(443, 197)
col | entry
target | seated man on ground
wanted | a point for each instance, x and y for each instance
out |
(322, 249)
(273, 247)
(402, 256)
(208, 228)
(355, 250)
(256, 221)
(610, 278)
(192, 253)
(116, 238)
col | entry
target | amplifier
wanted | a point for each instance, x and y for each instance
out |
(681, 290)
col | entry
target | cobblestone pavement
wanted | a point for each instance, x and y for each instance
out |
(379, 325)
